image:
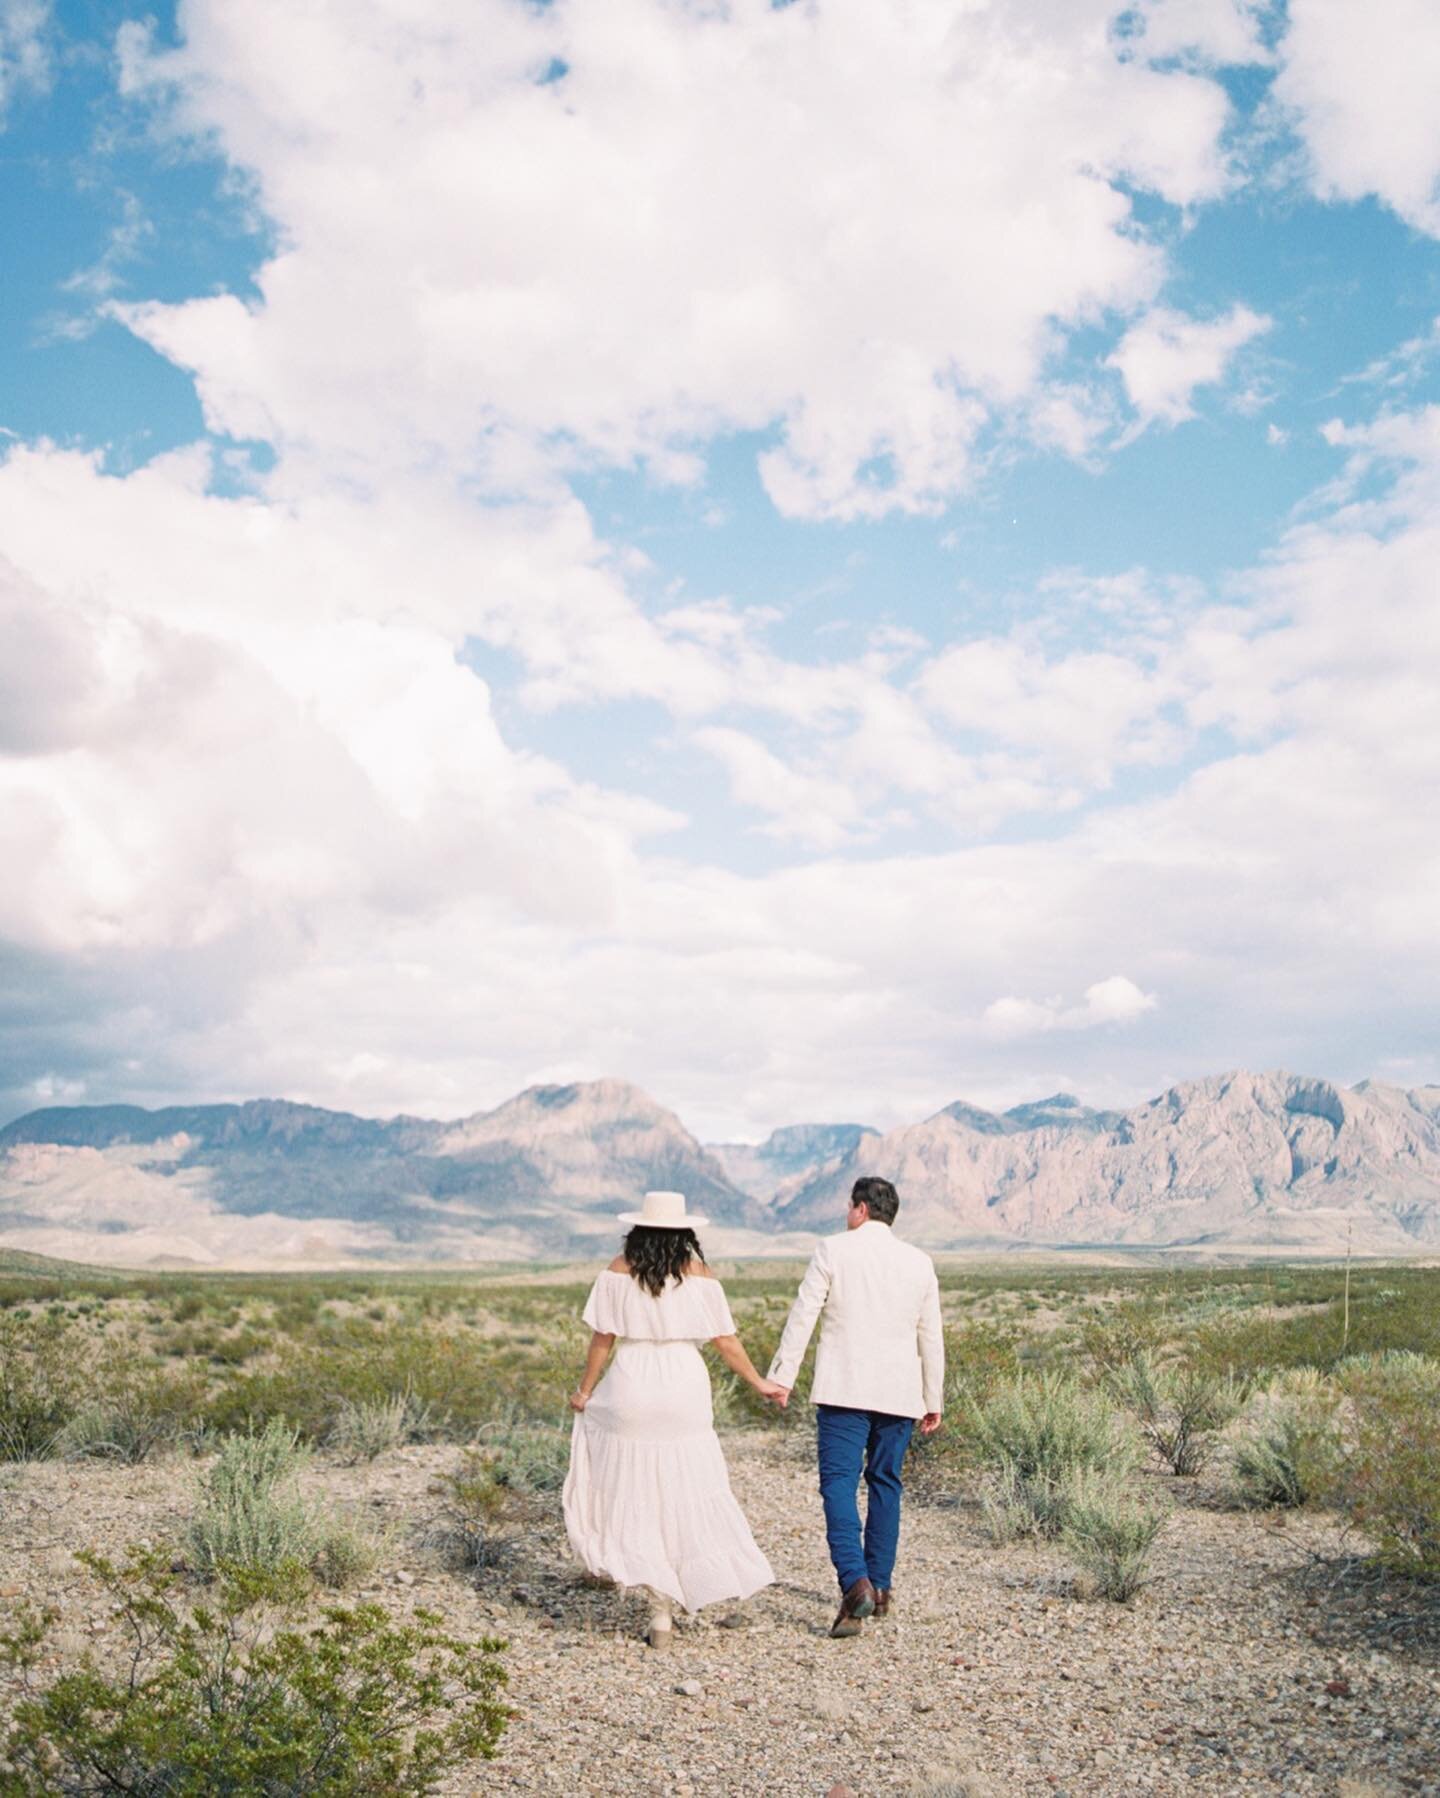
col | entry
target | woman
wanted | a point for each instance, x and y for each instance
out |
(647, 1497)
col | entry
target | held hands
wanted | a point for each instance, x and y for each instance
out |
(929, 1423)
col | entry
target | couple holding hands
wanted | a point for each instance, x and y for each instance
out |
(647, 1498)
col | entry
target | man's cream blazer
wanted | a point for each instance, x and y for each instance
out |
(881, 1347)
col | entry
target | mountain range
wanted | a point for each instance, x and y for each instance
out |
(1239, 1162)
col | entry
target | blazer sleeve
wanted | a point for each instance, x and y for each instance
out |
(809, 1303)
(932, 1346)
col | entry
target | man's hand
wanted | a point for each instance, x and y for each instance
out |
(929, 1423)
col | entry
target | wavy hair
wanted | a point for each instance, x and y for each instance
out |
(657, 1257)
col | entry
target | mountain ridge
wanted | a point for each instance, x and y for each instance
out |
(1269, 1161)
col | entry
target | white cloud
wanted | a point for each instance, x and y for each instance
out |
(810, 809)
(1078, 716)
(1114, 1001)
(492, 268)
(1213, 31)
(24, 47)
(1360, 83)
(1165, 356)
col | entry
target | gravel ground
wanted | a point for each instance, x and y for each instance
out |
(1234, 1672)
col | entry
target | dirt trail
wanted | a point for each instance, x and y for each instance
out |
(992, 1679)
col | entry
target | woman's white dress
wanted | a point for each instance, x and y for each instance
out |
(647, 1497)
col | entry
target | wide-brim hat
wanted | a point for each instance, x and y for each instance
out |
(663, 1211)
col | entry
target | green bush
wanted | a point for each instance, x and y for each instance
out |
(460, 1381)
(139, 1410)
(525, 1456)
(1036, 1432)
(476, 1507)
(1387, 1480)
(1109, 1534)
(1179, 1407)
(364, 1428)
(1284, 1449)
(250, 1513)
(251, 1516)
(43, 1383)
(245, 1696)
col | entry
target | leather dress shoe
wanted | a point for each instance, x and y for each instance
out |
(857, 1603)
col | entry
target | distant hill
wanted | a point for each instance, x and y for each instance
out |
(1240, 1162)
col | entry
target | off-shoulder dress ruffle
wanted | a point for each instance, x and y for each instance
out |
(647, 1498)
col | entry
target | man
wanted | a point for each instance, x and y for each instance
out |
(879, 1367)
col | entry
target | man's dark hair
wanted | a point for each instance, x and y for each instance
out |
(879, 1195)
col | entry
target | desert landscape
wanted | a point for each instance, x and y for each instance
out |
(1074, 1614)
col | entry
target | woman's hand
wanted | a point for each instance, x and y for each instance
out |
(579, 1399)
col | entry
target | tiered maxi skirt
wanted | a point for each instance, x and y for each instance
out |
(647, 1498)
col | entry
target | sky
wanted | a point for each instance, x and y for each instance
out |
(820, 558)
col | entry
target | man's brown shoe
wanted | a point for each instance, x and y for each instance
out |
(882, 1602)
(858, 1602)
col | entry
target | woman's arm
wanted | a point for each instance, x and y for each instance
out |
(733, 1355)
(601, 1343)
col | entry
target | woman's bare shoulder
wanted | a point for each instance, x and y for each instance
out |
(698, 1269)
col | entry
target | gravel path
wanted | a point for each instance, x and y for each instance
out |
(1231, 1674)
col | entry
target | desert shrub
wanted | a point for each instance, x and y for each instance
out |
(364, 1428)
(238, 1697)
(475, 1508)
(525, 1456)
(140, 1410)
(1283, 1449)
(462, 1381)
(1109, 1533)
(1179, 1407)
(344, 1554)
(1005, 1505)
(1387, 1480)
(512, 1470)
(1037, 1431)
(1124, 1333)
(250, 1513)
(43, 1383)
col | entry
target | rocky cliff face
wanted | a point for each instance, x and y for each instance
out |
(774, 1170)
(1247, 1160)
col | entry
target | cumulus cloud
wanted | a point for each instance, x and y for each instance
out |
(1114, 1001)
(1359, 84)
(1165, 356)
(485, 259)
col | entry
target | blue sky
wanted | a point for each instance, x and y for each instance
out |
(819, 560)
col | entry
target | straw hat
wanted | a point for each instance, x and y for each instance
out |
(663, 1211)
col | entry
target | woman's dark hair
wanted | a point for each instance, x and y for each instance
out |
(657, 1257)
